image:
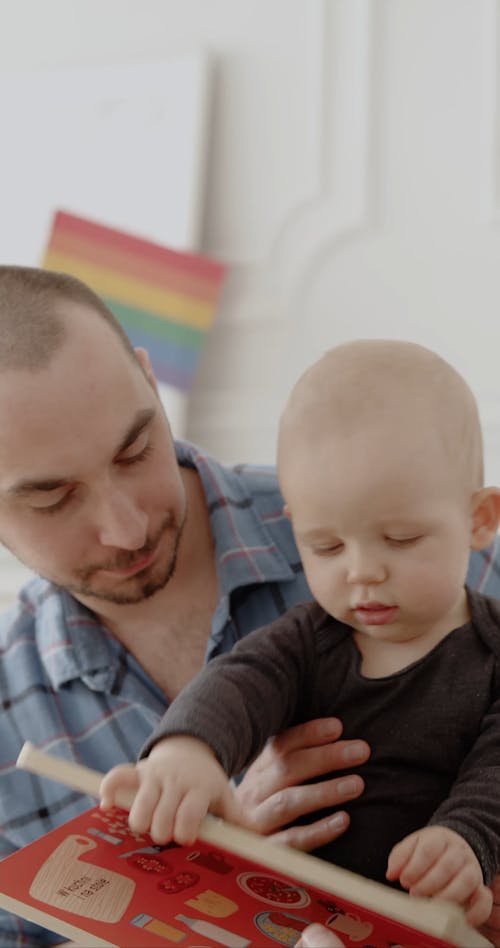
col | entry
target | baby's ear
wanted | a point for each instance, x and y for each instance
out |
(485, 517)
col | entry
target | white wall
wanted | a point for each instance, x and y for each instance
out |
(393, 228)
(353, 181)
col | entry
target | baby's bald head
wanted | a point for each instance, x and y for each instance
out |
(400, 388)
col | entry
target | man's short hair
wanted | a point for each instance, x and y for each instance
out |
(32, 317)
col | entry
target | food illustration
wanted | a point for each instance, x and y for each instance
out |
(154, 865)
(157, 927)
(272, 890)
(215, 932)
(114, 840)
(212, 860)
(213, 904)
(282, 927)
(351, 925)
(155, 848)
(68, 883)
(181, 880)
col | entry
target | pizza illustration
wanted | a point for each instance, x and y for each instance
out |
(149, 863)
(181, 880)
(272, 890)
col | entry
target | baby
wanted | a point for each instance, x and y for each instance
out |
(380, 465)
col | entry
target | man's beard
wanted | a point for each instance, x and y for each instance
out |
(155, 578)
(140, 587)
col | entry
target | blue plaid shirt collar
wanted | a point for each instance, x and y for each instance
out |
(72, 641)
(233, 514)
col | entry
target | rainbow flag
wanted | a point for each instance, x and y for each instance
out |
(164, 299)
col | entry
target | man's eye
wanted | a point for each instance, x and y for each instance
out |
(57, 505)
(137, 451)
(134, 458)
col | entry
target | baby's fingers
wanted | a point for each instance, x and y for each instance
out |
(143, 811)
(400, 855)
(195, 805)
(465, 889)
(451, 877)
(192, 809)
(480, 905)
(119, 786)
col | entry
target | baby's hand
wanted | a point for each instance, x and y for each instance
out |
(436, 861)
(174, 789)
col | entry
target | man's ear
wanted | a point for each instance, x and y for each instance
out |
(145, 363)
(286, 511)
(485, 517)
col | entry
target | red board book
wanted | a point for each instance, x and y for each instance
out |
(97, 883)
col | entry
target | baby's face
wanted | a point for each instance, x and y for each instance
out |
(384, 531)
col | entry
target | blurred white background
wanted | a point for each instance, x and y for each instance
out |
(352, 181)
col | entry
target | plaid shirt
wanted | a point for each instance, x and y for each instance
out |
(70, 688)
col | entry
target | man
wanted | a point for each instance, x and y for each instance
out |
(154, 558)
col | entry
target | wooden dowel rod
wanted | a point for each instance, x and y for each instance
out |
(72, 775)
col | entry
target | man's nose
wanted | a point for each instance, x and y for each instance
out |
(121, 522)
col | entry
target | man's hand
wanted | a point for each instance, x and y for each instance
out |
(491, 928)
(436, 861)
(274, 791)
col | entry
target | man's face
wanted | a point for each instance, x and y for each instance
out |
(90, 492)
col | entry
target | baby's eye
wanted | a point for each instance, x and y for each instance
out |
(329, 550)
(403, 541)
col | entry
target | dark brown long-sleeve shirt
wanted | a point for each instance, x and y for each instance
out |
(433, 727)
